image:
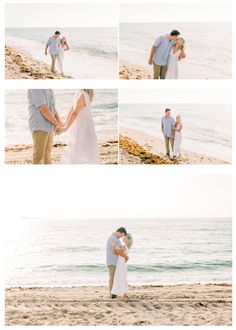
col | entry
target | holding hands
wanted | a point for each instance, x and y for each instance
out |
(59, 129)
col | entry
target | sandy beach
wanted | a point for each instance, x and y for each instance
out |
(132, 71)
(21, 65)
(136, 147)
(22, 154)
(196, 304)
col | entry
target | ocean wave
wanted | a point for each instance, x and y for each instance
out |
(155, 268)
(99, 106)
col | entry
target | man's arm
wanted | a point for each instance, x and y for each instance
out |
(47, 114)
(150, 61)
(46, 49)
(58, 118)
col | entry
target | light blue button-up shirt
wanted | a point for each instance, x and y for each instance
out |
(111, 257)
(53, 45)
(168, 124)
(36, 98)
(163, 47)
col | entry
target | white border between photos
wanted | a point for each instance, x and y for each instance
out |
(12, 176)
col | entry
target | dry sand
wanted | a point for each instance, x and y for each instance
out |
(132, 71)
(136, 147)
(21, 65)
(22, 154)
(196, 304)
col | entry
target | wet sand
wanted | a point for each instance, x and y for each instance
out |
(195, 304)
(136, 147)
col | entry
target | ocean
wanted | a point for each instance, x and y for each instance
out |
(93, 52)
(207, 128)
(72, 252)
(104, 108)
(208, 47)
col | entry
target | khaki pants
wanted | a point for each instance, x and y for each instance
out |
(111, 270)
(159, 71)
(168, 141)
(53, 66)
(42, 147)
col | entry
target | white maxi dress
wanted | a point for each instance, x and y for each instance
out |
(177, 142)
(173, 65)
(82, 147)
(120, 283)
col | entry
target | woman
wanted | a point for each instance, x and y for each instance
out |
(177, 54)
(177, 137)
(82, 147)
(120, 283)
(62, 48)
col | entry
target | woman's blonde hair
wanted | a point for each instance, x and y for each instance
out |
(128, 240)
(90, 93)
(183, 43)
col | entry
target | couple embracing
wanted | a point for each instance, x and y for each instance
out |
(165, 54)
(45, 122)
(118, 245)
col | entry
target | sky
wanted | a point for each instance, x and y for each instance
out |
(175, 12)
(175, 96)
(117, 192)
(61, 15)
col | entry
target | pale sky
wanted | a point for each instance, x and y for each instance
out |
(117, 192)
(61, 15)
(175, 96)
(151, 12)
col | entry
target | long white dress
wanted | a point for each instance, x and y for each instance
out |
(177, 142)
(82, 147)
(60, 58)
(172, 66)
(120, 283)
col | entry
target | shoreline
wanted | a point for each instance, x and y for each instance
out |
(21, 65)
(22, 153)
(137, 147)
(133, 71)
(193, 304)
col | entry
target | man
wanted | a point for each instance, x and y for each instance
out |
(53, 44)
(111, 257)
(167, 124)
(43, 121)
(160, 53)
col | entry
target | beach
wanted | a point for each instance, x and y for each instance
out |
(193, 304)
(207, 57)
(136, 147)
(134, 71)
(22, 154)
(21, 65)
(90, 47)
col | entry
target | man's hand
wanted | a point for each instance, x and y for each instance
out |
(150, 61)
(46, 53)
(58, 130)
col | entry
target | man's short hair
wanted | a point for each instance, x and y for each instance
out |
(57, 32)
(174, 33)
(122, 230)
(167, 110)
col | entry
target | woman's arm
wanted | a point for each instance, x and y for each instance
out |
(182, 55)
(120, 252)
(67, 46)
(180, 128)
(74, 112)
